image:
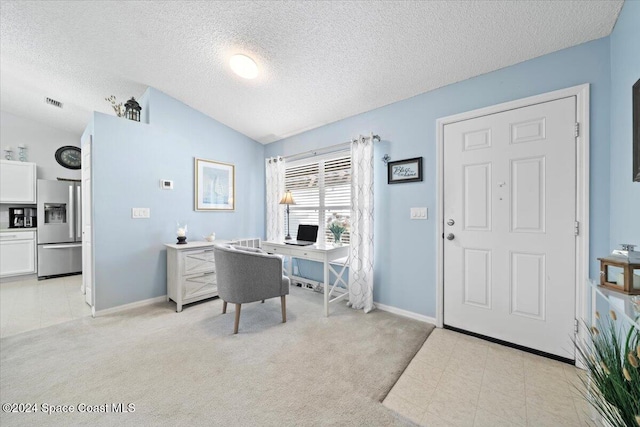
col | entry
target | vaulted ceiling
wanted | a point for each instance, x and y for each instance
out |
(319, 61)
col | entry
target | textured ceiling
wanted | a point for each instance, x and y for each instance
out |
(319, 61)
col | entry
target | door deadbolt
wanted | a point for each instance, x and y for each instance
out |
(450, 222)
(450, 236)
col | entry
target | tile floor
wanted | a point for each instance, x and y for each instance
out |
(31, 304)
(458, 380)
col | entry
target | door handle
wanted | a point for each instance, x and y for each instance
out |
(78, 211)
(450, 236)
(71, 213)
(75, 245)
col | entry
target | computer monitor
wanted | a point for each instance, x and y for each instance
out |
(307, 233)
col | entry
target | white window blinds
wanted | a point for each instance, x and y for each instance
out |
(321, 189)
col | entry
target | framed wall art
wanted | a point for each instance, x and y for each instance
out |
(409, 170)
(636, 131)
(215, 185)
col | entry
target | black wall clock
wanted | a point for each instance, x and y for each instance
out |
(69, 157)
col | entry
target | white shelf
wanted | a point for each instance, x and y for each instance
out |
(621, 303)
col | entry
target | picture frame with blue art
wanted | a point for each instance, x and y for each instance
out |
(636, 131)
(215, 185)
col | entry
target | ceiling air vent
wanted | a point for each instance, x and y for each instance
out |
(53, 102)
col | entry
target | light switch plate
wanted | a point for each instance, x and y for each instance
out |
(419, 213)
(138, 213)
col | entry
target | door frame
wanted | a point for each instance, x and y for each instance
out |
(581, 92)
(88, 140)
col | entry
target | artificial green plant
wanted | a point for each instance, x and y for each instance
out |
(612, 360)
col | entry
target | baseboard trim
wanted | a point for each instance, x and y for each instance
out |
(129, 306)
(405, 313)
(17, 278)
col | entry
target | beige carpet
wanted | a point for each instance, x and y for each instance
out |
(188, 369)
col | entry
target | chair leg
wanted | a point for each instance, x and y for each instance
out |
(283, 302)
(263, 301)
(235, 326)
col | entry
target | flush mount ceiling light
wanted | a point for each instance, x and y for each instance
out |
(244, 66)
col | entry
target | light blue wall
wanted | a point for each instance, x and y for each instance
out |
(625, 71)
(209, 139)
(405, 251)
(129, 159)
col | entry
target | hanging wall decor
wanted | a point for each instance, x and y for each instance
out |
(409, 170)
(214, 186)
(636, 131)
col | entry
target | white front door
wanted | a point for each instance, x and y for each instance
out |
(87, 217)
(509, 226)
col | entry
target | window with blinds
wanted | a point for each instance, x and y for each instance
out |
(322, 191)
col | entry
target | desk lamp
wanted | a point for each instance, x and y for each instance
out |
(287, 199)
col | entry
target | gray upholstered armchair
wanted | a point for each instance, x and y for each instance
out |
(246, 275)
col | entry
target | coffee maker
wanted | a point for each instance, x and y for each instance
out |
(22, 218)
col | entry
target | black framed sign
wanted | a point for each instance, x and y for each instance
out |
(409, 170)
(636, 131)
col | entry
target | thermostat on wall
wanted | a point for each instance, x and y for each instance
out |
(166, 184)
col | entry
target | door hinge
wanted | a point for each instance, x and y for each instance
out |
(575, 325)
(576, 228)
(577, 130)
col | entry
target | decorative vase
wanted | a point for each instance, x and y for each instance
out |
(337, 238)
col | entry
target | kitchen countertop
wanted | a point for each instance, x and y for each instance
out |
(13, 230)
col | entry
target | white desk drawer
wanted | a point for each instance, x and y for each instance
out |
(294, 251)
(198, 261)
(198, 285)
(276, 250)
(311, 255)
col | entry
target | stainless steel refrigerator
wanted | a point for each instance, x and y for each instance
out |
(59, 228)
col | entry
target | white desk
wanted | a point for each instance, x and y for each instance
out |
(324, 253)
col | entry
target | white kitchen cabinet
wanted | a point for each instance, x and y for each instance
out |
(17, 253)
(191, 272)
(17, 182)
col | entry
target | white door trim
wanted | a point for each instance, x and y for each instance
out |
(83, 143)
(581, 93)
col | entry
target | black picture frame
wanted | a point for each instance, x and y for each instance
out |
(401, 171)
(636, 131)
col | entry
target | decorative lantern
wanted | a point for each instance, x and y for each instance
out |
(182, 233)
(132, 110)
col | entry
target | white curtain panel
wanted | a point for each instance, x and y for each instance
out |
(275, 171)
(361, 268)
